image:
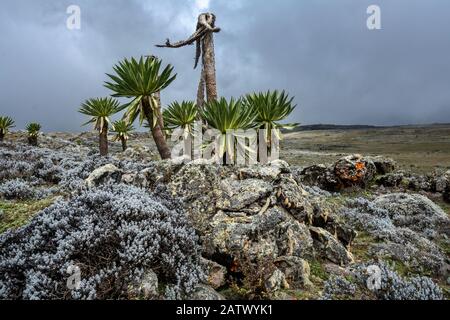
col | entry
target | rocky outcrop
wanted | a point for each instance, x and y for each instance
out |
(271, 234)
(268, 215)
(295, 270)
(382, 164)
(275, 282)
(294, 199)
(250, 214)
(354, 170)
(350, 171)
(242, 195)
(329, 247)
(434, 183)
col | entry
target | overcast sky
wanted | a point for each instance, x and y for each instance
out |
(320, 51)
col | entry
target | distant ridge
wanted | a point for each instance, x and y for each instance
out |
(317, 127)
(313, 127)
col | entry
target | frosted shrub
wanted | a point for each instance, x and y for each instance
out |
(113, 234)
(403, 243)
(42, 166)
(395, 287)
(363, 214)
(16, 189)
(338, 288)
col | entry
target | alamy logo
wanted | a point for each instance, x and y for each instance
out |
(233, 147)
(374, 20)
(74, 280)
(73, 22)
(374, 279)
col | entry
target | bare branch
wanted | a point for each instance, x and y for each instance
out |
(205, 24)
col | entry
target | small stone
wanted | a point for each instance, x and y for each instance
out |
(104, 174)
(216, 273)
(206, 293)
(295, 270)
(275, 282)
(147, 288)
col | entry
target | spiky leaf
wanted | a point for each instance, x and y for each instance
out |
(100, 110)
(6, 123)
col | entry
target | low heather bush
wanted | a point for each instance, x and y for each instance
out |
(338, 288)
(404, 243)
(16, 189)
(60, 168)
(113, 234)
(394, 287)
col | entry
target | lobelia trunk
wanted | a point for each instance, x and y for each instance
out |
(204, 39)
(201, 91)
(157, 97)
(124, 143)
(33, 141)
(157, 133)
(2, 136)
(209, 65)
(103, 140)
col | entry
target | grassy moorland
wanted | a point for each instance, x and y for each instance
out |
(420, 149)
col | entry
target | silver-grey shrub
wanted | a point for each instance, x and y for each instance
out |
(338, 287)
(42, 167)
(113, 234)
(395, 287)
(16, 189)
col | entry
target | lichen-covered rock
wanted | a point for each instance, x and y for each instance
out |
(137, 153)
(295, 200)
(321, 176)
(242, 195)
(355, 170)
(413, 251)
(138, 179)
(330, 247)
(159, 172)
(441, 183)
(419, 183)
(268, 173)
(392, 180)
(275, 282)
(196, 185)
(104, 174)
(446, 194)
(383, 165)
(272, 234)
(349, 171)
(331, 222)
(296, 271)
(446, 191)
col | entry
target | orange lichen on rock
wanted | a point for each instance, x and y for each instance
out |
(360, 166)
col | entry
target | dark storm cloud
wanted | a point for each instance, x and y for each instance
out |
(320, 51)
